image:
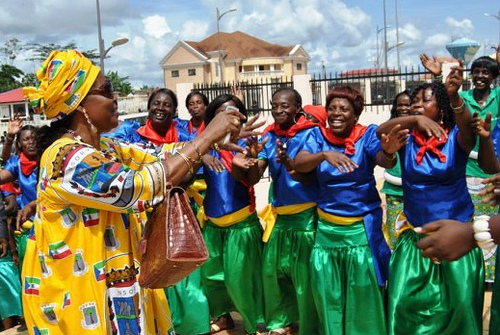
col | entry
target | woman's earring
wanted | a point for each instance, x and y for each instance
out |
(92, 127)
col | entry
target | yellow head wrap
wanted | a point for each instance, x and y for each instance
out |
(65, 79)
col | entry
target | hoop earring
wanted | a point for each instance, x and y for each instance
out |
(92, 127)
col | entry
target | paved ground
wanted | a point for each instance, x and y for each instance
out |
(239, 326)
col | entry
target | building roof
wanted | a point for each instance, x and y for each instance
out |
(15, 95)
(241, 45)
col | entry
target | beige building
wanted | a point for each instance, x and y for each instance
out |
(230, 57)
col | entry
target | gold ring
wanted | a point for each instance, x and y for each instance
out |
(435, 260)
(236, 122)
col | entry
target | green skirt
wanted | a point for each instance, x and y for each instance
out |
(10, 288)
(428, 298)
(287, 285)
(344, 283)
(232, 275)
(189, 306)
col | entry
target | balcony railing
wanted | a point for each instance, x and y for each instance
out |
(255, 74)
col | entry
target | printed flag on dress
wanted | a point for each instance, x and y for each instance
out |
(90, 217)
(59, 250)
(99, 271)
(31, 285)
(66, 300)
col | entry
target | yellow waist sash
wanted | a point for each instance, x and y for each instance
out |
(269, 215)
(193, 191)
(340, 220)
(230, 219)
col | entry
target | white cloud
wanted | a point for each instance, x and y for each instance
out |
(458, 29)
(194, 30)
(156, 26)
(437, 40)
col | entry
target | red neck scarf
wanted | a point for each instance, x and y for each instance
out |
(27, 165)
(148, 132)
(301, 124)
(430, 145)
(227, 160)
(347, 142)
(200, 128)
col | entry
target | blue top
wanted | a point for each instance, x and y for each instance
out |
(27, 184)
(125, 132)
(224, 194)
(358, 189)
(435, 190)
(351, 194)
(286, 190)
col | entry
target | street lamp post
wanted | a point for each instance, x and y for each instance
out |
(498, 18)
(219, 16)
(102, 51)
(385, 40)
(377, 60)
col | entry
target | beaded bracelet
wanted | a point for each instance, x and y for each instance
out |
(459, 109)
(482, 235)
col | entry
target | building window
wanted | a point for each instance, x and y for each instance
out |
(299, 66)
(191, 72)
(175, 73)
(261, 68)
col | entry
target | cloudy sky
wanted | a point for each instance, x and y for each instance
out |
(341, 35)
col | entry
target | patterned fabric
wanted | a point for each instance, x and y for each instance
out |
(65, 78)
(82, 262)
(394, 205)
(492, 106)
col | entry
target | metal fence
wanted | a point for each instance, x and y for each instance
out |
(257, 94)
(379, 86)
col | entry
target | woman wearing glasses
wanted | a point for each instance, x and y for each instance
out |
(81, 266)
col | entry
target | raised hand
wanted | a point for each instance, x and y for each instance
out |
(454, 79)
(394, 140)
(237, 92)
(430, 127)
(254, 146)
(343, 163)
(15, 124)
(481, 127)
(213, 163)
(491, 193)
(249, 128)
(432, 65)
(244, 162)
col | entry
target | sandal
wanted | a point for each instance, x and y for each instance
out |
(223, 322)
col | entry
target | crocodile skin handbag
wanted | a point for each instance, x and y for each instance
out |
(172, 246)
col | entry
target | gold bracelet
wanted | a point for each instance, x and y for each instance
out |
(459, 109)
(187, 160)
(198, 161)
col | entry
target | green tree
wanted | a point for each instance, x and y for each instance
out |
(29, 79)
(11, 49)
(42, 51)
(10, 77)
(121, 85)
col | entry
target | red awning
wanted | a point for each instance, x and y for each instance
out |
(15, 95)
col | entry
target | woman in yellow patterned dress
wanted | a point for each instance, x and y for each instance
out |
(82, 260)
